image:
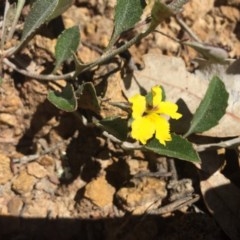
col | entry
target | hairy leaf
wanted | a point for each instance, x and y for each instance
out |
(177, 148)
(65, 100)
(211, 109)
(127, 14)
(160, 12)
(61, 7)
(210, 53)
(67, 44)
(40, 12)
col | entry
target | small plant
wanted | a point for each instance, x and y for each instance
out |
(148, 116)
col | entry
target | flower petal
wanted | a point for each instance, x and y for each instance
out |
(162, 128)
(142, 129)
(138, 105)
(169, 109)
(157, 95)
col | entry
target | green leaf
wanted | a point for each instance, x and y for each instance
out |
(67, 44)
(116, 126)
(177, 148)
(65, 100)
(40, 12)
(149, 96)
(211, 109)
(159, 13)
(127, 14)
(61, 7)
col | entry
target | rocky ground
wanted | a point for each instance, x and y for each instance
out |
(60, 179)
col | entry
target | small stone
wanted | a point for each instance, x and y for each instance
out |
(231, 13)
(136, 166)
(23, 183)
(46, 186)
(36, 170)
(38, 208)
(46, 161)
(3, 206)
(141, 194)
(100, 192)
(5, 170)
(8, 119)
(15, 206)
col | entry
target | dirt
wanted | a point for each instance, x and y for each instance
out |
(79, 184)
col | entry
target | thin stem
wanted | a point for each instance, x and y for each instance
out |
(20, 5)
(187, 29)
(41, 77)
(108, 56)
(3, 32)
(223, 144)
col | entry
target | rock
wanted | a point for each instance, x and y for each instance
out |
(38, 208)
(46, 186)
(47, 162)
(3, 206)
(100, 192)
(15, 206)
(23, 183)
(5, 170)
(142, 193)
(197, 9)
(136, 166)
(8, 119)
(231, 13)
(36, 170)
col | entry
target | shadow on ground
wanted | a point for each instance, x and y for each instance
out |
(180, 227)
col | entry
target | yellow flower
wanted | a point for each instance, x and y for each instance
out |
(150, 116)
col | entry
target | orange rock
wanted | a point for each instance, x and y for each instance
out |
(5, 171)
(100, 192)
(23, 183)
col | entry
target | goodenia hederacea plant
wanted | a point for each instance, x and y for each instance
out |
(65, 99)
(42, 11)
(150, 125)
(178, 148)
(210, 53)
(67, 45)
(149, 116)
(127, 14)
(211, 109)
(124, 21)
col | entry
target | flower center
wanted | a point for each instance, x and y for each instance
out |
(151, 109)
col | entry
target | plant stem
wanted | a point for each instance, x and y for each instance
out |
(34, 75)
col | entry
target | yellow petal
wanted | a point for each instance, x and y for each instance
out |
(162, 128)
(157, 95)
(142, 129)
(169, 109)
(138, 105)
